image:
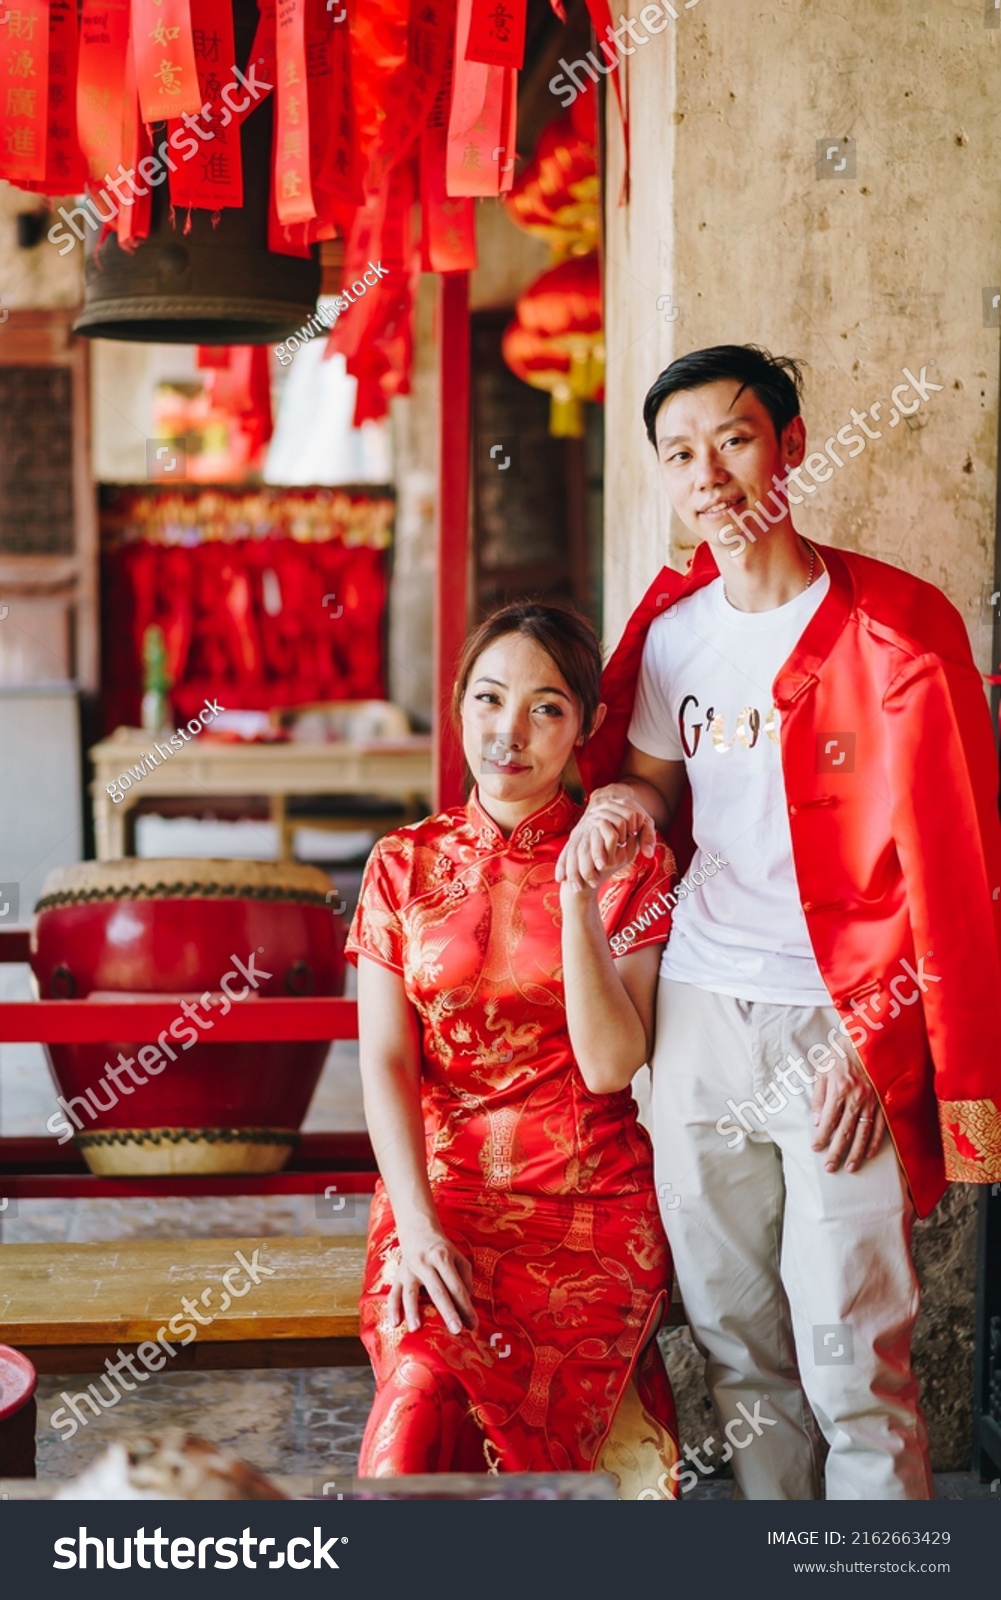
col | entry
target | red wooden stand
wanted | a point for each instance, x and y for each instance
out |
(37, 1168)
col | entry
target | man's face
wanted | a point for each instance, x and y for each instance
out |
(718, 454)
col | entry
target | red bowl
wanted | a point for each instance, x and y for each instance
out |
(227, 930)
(17, 1414)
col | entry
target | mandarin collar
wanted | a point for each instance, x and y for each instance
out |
(555, 818)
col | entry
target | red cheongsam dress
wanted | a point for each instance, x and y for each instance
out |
(545, 1187)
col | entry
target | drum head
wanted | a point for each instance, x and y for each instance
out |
(183, 878)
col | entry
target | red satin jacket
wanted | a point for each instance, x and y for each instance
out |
(897, 852)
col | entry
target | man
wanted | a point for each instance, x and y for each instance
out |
(834, 967)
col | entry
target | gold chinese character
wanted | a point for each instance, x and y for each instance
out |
(23, 65)
(168, 75)
(293, 108)
(21, 102)
(291, 185)
(292, 145)
(21, 24)
(20, 141)
(291, 75)
(162, 34)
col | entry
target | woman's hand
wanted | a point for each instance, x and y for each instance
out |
(611, 833)
(446, 1277)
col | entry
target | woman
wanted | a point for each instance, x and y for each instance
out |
(517, 1268)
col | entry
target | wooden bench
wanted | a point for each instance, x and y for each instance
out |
(69, 1307)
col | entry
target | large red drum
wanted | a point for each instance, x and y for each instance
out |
(212, 934)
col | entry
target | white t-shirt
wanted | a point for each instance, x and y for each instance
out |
(705, 697)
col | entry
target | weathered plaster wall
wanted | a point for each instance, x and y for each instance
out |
(861, 276)
(39, 278)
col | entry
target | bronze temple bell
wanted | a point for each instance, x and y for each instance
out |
(214, 284)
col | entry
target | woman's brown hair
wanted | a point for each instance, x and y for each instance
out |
(556, 627)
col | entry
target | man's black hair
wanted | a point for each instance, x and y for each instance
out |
(776, 380)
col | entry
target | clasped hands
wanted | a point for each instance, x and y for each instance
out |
(614, 829)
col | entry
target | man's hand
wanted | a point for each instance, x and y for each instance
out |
(446, 1277)
(850, 1123)
(614, 829)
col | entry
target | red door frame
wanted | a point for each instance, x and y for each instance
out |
(452, 541)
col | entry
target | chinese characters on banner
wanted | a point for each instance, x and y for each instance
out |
(24, 89)
(104, 37)
(483, 121)
(213, 176)
(166, 74)
(293, 190)
(497, 33)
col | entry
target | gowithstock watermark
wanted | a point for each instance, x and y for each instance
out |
(326, 316)
(117, 790)
(663, 903)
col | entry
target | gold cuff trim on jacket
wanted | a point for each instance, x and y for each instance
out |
(971, 1138)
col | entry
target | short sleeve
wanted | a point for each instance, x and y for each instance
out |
(652, 728)
(635, 905)
(376, 930)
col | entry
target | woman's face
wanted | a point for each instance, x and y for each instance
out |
(520, 722)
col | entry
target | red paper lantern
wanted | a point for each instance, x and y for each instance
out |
(556, 341)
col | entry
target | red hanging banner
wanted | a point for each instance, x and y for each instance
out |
(65, 167)
(481, 125)
(24, 91)
(134, 218)
(410, 92)
(334, 167)
(601, 18)
(104, 39)
(166, 74)
(293, 189)
(209, 163)
(497, 33)
(448, 227)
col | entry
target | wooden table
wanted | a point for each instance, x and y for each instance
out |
(397, 769)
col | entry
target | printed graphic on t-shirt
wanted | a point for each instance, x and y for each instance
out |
(706, 697)
(745, 729)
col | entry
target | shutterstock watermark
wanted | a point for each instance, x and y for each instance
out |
(123, 782)
(820, 465)
(124, 1078)
(154, 1353)
(736, 1439)
(327, 316)
(186, 143)
(823, 1057)
(613, 47)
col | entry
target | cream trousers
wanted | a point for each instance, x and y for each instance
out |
(798, 1283)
